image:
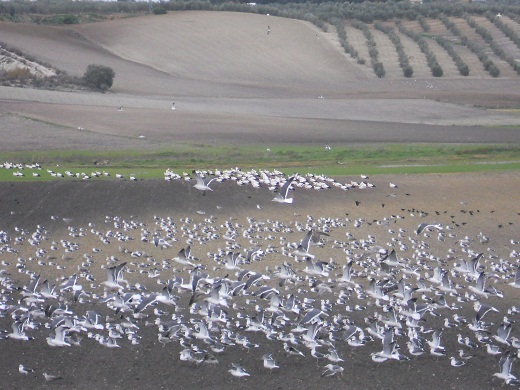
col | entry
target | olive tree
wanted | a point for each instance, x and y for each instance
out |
(99, 77)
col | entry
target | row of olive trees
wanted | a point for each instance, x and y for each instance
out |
(317, 11)
(403, 57)
(342, 35)
(479, 51)
(462, 67)
(431, 60)
(497, 49)
(423, 23)
(507, 30)
(378, 67)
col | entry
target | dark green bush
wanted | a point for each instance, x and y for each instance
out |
(494, 71)
(437, 70)
(408, 71)
(379, 70)
(159, 11)
(60, 19)
(99, 77)
(463, 69)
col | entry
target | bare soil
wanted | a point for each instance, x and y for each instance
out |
(470, 204)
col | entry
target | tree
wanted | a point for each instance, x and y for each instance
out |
(99, 77)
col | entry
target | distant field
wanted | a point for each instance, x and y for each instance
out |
(240, 92)
(338, 161)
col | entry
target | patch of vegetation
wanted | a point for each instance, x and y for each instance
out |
(479, 51)
(497, 49)
(159, 11)
(403, 57)
(339, 160)
(342, 35)
(462, 67)
(507, 30)
(99, 77)
(431, 60)
(423, 23)
(378, 67)
(60, 19)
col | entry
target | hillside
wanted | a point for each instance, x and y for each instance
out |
(228, 54)
(214, 53)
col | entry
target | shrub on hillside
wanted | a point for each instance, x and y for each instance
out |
(99, 77)
(60, 19)
(494, 71)
(159, 11)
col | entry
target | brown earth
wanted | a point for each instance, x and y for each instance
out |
(469, 204)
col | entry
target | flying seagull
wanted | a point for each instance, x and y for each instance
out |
(425, 225)
(281, 195)
(202, 183)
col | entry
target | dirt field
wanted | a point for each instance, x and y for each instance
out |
(469, 205)
(238, 86)
(232, 83)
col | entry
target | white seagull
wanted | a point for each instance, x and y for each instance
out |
(238, 370)
(281, 195)
(202, 183)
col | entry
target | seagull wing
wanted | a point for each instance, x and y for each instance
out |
(285, 188)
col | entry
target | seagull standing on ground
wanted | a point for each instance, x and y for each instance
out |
(24, 370)
(238, 370)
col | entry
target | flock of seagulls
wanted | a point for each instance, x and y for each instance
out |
(274, 180)
(320, 290)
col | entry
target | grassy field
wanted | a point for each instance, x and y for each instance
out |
(338, 161)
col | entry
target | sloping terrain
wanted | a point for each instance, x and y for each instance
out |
(194, 53)
(233, 83)
(227, 54)
(226, 47)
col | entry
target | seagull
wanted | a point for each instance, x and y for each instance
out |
(18, 332)
(516, 283)
(173, 106)
(281, 195)
(120, 108)
(114, 277)
(202, 183)
(269, 362)
(59, 338)
(184, 256)
(303, 248)
(505, 363)
(50, 377)
(456, 363)
(291, 350)
(238, 371)
(24, 370)
(503, 334)
(493, 349)
(425, 225)
(332, 369)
